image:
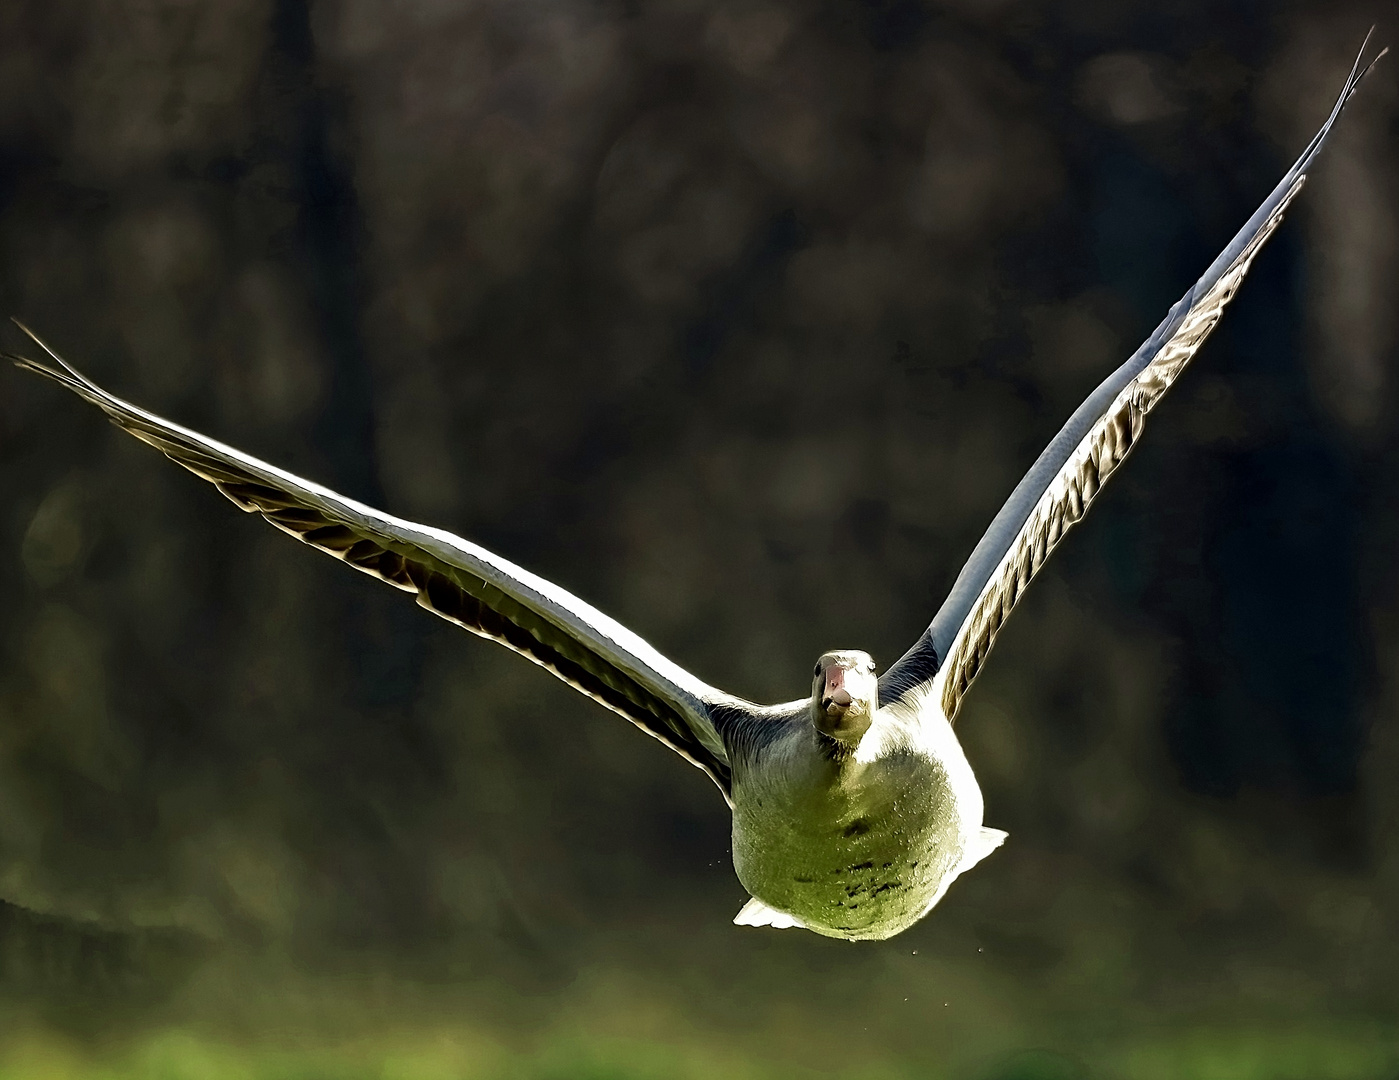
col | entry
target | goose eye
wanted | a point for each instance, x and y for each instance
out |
(870, 667)
(816, 671)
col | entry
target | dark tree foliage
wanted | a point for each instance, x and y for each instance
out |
(739, 320)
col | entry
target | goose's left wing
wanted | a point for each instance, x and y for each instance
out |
(451, 577)
(1059, 487)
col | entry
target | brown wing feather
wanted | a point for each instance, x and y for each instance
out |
(448, 576)
(1097, 456)
(1063, 481)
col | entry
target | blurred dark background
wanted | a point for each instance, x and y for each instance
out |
(740, 320)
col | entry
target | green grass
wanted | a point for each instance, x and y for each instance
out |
(183, 1055)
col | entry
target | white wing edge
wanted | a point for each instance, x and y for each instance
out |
(579, 619)
(1056, 491)
(1083, 473)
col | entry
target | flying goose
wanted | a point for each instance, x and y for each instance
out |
(855, 808)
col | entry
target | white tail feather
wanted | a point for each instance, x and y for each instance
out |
(757, 913)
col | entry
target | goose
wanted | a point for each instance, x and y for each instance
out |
(855, 808)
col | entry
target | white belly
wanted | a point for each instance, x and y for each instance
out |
(864, 857)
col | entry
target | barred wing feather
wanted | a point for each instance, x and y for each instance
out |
(451, 577)
(1058, 489)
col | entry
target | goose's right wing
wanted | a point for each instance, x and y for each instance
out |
(1061, 484)
(451, 577)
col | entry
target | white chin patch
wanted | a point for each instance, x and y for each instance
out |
(757, 913)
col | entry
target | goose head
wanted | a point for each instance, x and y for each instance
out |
(844, 695)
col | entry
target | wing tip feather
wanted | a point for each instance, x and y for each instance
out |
(68, 369)
(1352, 84)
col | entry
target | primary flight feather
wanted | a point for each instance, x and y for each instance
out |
(853, 809)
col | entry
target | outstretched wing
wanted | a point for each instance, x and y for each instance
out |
(1059, 487)
(450, 577)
